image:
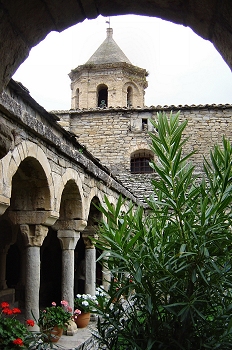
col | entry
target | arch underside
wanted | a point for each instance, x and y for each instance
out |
(25, 23)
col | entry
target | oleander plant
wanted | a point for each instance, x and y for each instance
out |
(176, 252)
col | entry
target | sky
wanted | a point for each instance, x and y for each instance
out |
(183, 68)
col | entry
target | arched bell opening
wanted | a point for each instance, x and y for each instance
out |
(129, 96)
(102, 96)
(77, 98)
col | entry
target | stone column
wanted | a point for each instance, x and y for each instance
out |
(68, 239)
(106, 276)
(90, 264)
(34, 236)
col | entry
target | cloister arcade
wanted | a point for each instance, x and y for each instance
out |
(49, 191)
(49, 188)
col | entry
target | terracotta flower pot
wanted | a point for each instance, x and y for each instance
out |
(82, 320)
(54, 334)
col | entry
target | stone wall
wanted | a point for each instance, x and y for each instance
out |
(33, 124)
(117, 77)
(49, 185)
(111, 135)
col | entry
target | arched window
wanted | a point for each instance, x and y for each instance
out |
(102, 96)
(140, 162)
(129, 96)
(77, 99)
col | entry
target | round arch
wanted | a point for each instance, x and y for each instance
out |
(137, 147)
(32, 153)
(102, 95)
(71, 179)
(27, 24)
(130, 91)
(88, 200)
(139, 161)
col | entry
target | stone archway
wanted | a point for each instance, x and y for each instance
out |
(68, 228)
(25, 23)
(30, 190)
(30, 205)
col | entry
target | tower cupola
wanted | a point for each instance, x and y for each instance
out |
(108, 79)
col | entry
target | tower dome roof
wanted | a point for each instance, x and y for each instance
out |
(108, 52)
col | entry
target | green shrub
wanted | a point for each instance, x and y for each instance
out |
(171, 266)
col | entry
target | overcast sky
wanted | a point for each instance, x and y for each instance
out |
(183, 68)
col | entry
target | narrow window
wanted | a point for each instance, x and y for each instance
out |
(129, 96)
(77, 99)
(140, 162)
(144, 124)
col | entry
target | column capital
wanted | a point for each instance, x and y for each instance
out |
(87, 240)
(72, 224)
(34, 234)
(68, 238)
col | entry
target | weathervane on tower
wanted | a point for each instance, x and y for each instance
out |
(108, 22)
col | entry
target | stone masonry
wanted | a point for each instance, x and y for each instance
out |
(110, 70)
(49, 185)
(112, 135)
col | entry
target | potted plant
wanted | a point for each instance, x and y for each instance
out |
(13, 333)
(54, 319)
(83, 304)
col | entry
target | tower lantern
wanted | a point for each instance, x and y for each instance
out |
(108, 79)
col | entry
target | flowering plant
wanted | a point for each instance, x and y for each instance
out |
(55, 316)
(13, 334)
(121, 287)
(83, 303)
(102, 297)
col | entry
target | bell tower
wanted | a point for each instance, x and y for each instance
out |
(108, 79)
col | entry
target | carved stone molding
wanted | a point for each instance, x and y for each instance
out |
(87, 240)
(34, 234)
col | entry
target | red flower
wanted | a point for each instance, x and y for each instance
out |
(15, 310)
(7, 311)
(4, 304)
(18, 341)
(30, 323)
